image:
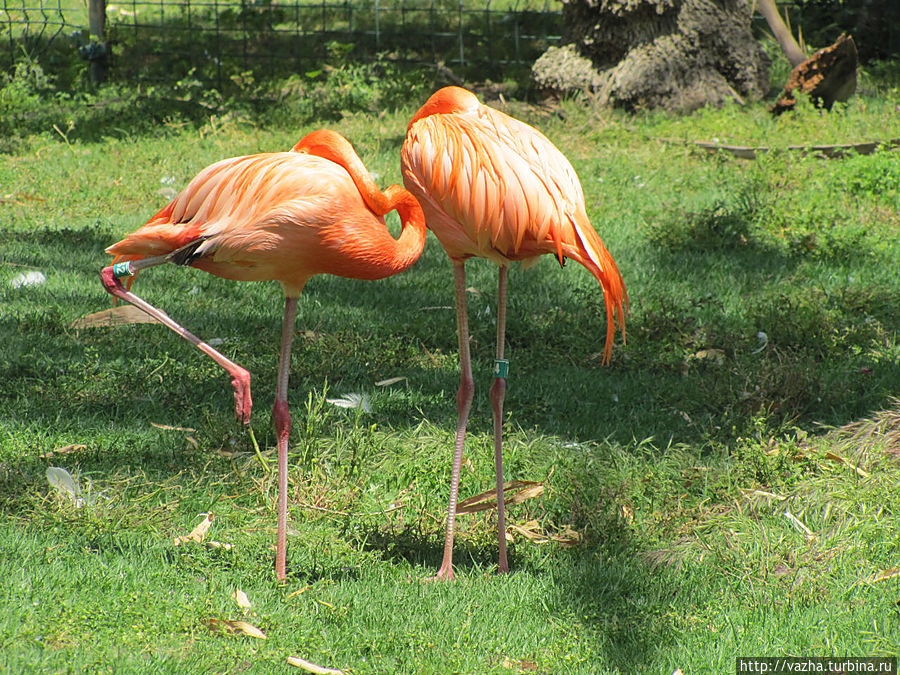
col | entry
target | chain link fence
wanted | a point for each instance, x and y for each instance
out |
(214, 41)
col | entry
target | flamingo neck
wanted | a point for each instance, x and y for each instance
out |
(335, 148)
(397, 254)
(408, 246)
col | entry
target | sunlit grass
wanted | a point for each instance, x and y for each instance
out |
(715, 514)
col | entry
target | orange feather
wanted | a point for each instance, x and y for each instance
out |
(494, 187)
(285, 216)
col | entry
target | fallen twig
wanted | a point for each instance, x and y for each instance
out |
(836, 151)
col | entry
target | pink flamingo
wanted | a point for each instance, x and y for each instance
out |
(496, 188)
(285, 217)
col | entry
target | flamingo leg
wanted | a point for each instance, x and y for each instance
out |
(282, 418)
(498, 391)
(240, 378)
(464, 405)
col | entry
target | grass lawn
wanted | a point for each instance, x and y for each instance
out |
(703, 495)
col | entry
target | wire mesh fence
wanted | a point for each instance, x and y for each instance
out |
(217, 40)
(32, 29)
(220, 41)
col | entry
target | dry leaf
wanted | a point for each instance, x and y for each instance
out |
(198, 533)
(716, 356)
(235, 627)
(532, 532)
(218, 544)
(64, 450)
(122, 315)
(799, 526)
(840, 460)
(526, 489)
(884, 575)
(168, 427)
(527, 492)
(247, 629)
(16, 198)
(241, 599)
(522, 665)
(312, 667)
(782, 570)
(391, 380)
(568, 537)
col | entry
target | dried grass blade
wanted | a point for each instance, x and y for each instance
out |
(312, 667)
(526, 489)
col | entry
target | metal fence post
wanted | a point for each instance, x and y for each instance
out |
(97, 51)
(462, 58)
(377, 29)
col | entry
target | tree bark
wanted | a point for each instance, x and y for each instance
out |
(674, 54)
(827, 76)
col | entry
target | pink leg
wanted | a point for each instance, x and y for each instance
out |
(498, 391)
(240, 378)
(282, 417)
(464, 405)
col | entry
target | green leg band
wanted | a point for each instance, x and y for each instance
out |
(122, 269)
(501, 368)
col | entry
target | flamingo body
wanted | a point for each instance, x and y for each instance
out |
(279, 216)
(494, 187)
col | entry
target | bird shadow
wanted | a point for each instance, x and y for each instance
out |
(618, 599)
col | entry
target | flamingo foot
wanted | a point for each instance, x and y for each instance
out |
(111, 282)
(445, 573)
(243, 403)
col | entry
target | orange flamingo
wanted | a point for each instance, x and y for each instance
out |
(496, 188)
(283, 216)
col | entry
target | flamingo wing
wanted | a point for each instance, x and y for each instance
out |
(495, 182)
(494, 187)
(282, 216)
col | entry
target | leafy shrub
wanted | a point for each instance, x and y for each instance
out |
(340, 86)
(21, 91)
(876, 175)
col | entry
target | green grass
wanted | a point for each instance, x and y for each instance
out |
(698, 469)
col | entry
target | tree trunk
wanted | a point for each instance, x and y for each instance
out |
(827, 76)
(674, 54)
